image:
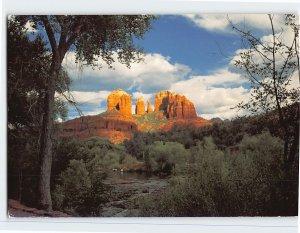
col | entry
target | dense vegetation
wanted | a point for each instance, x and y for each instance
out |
(248, 181)
(232, 168)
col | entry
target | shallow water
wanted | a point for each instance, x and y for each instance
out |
(126, 189)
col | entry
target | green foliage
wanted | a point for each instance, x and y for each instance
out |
(27, 62)
(137, 146)
(75, 185)
(153, 120)
(99, 154)
(94, 36)
(106, 161)
(79, 191)
(165, 157)
(226, 135)
(250, 181)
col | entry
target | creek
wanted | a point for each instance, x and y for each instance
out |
(126, 190)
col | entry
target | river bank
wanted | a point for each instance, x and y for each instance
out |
(126, 189)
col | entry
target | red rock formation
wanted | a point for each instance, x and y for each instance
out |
(120, 101)
(140, 106)
(174, 105)
(112, 125)
(161, 99)
(196, 122)
(171, 110)
(149, 107)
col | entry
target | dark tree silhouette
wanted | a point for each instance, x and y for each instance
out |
(91, 38)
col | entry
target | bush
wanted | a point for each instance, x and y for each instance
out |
(74, 187)
(166, 157)
(79, 191)
(249, 181)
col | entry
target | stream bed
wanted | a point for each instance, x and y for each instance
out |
(126, 189)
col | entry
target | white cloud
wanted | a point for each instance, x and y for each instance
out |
(96, 98)
(285, 37)
(220, 22)
(136, 95)
(94, 112)
(89, 103)
(156, 72)
(214, 95)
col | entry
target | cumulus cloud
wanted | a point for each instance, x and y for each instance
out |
(96, 98)
(285, 37)
(220, 22)
(214, 95)
(136, 95)
(262, 55)
(89, 103)
(154, 73)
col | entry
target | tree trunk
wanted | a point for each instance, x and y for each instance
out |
(45, 201)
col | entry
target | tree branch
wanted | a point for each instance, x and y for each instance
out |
(245, 34)
(73, 37)
(63, 34)
(50, 33)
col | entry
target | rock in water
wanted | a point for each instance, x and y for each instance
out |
(174, 105)
(140, 106)
(120, 101)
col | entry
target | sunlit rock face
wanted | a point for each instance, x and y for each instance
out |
(121, 101)
(171, 111)
(149, 107)
(174, 105)
(140, 106)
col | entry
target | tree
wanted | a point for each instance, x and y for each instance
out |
(270, 63)
(28, 61)
(91, 38)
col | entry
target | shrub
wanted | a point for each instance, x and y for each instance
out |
(75, 185)
(166, 156)
(250, 181)
(79, 191)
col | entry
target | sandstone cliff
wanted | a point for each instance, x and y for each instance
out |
(149, 107)
(112, 125)
(140, 106)
(120, 101)
(174, 105)
(171, 111)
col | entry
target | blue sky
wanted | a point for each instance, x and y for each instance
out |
(184, 42)
(188, 54)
